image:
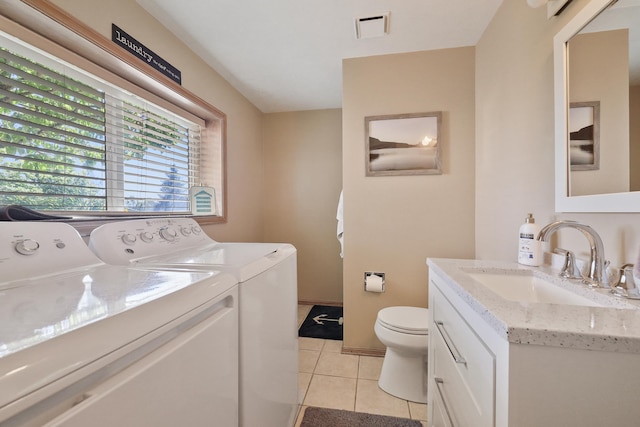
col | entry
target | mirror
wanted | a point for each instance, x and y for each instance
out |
(597, 86)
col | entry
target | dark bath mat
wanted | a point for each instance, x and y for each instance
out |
(322, 322)
(322, 417)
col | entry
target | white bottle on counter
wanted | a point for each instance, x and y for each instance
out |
(529, 248)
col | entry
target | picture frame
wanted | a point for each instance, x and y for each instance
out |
(403, 144)
(584, 135)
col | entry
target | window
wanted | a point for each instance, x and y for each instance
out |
(72, 142)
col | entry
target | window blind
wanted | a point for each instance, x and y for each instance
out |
(71, 142)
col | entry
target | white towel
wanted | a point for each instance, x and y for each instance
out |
(340, 230)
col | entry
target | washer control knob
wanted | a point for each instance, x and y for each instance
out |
(185, 231)
(168, 234)
(146, 237)
(196, 230)
(129, 239)
(27, 247)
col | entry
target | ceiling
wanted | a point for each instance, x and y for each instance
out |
(286, 55)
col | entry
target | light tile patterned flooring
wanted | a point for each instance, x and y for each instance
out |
(330, 379)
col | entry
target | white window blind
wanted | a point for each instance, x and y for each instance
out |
(74, 143)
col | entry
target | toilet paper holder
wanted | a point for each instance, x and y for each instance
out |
(374, 281)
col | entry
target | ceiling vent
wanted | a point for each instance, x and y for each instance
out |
(372, 26)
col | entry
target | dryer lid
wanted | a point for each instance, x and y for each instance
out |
(242, 260)
(413, 320)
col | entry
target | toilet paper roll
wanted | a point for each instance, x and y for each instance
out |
(374, 283)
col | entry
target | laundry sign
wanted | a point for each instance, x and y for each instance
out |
(144, 53)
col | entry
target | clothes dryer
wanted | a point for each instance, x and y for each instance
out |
(267, 276)
(85, 343)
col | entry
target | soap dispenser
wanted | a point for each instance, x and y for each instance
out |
(529, 248)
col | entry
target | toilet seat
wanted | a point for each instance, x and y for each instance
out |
(404, 319)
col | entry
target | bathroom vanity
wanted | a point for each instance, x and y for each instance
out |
(511, 345)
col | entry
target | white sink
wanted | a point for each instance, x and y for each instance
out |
(523, 286)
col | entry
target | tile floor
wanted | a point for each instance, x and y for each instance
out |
(330, 379)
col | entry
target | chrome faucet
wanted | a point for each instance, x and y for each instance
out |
(569, 269)
(597, 263)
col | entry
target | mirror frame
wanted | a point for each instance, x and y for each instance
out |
(613, 202)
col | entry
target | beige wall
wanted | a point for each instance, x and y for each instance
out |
(244, 145)
(634, 137)
(392, 224)
(515, 139)
(302, 183)
(599, 71)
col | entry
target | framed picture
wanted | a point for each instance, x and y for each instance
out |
(584, 135)
(403, 144)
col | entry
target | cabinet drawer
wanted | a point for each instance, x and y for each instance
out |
(463, 363)
(441, 412)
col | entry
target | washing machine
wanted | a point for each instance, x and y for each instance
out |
(267, 287)
(83, 343)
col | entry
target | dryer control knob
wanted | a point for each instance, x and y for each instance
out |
(146, 237)
(196, 229)
(27, 247)
(168, 234)
(129, 239)
(185, 231)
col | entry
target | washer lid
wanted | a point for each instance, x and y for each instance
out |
(414, 320)
(54, 327)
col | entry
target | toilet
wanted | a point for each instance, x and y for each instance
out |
(404, 330)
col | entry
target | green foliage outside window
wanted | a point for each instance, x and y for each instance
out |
(65, 146)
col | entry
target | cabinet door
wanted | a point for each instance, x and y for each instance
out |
(463, 364)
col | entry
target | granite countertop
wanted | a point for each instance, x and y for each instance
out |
(613, 327)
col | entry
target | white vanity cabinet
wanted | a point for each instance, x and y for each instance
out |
(479, 376)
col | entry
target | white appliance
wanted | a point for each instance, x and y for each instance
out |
(267, 277)
(87, 344)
